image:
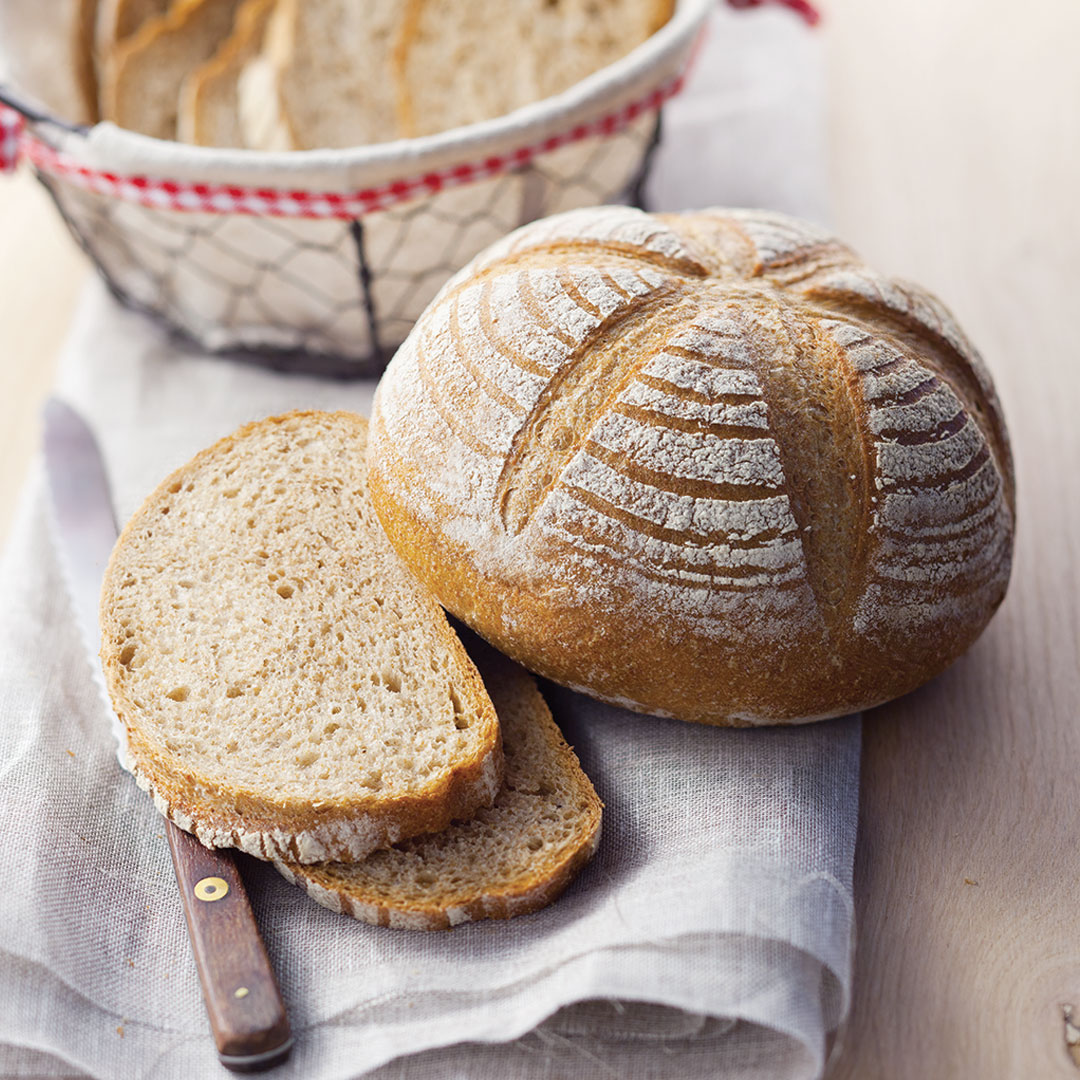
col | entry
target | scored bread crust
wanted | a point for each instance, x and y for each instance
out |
(223, 813)
(706, 465)
(382, 896)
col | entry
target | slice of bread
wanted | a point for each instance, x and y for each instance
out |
(509, 860)
(331, 65)
(119, 19)
(286, 685)
(574, 38)
(459, 63)
(115, 21)
(456, 64)
(141, 91)
(261, 114)
(209, 96)
(82, 57)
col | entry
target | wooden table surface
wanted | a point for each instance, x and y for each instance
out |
(955, 131)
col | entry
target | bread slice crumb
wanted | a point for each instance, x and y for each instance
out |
(286, 685)
(511, 859)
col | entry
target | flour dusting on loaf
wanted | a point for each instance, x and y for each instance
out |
(705, 464)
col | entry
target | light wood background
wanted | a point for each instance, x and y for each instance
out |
(956, 161)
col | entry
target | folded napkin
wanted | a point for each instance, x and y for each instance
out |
(710, 936)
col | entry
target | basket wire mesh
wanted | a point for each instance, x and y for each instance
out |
(330, 296)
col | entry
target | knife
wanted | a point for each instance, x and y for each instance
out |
(251, 1029)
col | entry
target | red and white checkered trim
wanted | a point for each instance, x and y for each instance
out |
(278, 202)
(12, 126)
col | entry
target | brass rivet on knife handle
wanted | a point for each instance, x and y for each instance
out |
(243, 1002)
(210, 889)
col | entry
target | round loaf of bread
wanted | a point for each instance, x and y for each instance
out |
(708, 465)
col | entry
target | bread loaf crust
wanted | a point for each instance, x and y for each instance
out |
(707, 465)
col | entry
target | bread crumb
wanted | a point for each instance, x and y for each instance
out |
(394, 719)
(489, 867)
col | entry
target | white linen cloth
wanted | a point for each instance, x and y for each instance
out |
(710, 937)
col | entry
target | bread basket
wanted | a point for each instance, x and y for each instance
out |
(322, 260)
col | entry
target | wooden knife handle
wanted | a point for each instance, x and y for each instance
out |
(244, 1004)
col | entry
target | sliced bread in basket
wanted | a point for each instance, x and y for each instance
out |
(325, 74)
(341, 74)
(286, 685)
(209, 95)
(114, 21)
(511, 859)
(119, 19)
(141, 87)
(461, 62)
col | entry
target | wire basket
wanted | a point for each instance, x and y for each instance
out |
(321, 261)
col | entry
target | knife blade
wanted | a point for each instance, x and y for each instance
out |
(243, 1002)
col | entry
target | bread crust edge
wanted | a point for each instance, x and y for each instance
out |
(505, 904)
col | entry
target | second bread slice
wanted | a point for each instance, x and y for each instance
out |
(511, 859)
(286, 685)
